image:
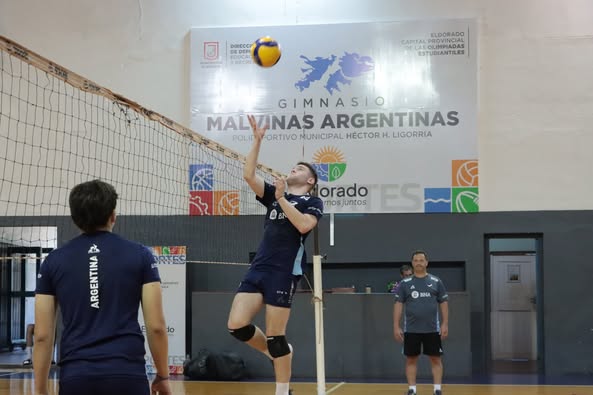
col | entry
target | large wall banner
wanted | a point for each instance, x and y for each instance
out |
(387, 112)
(171, 265)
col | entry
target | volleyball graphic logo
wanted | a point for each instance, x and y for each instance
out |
(466, 200)
(464, 182)
(463, 194)
(329, 163)
(227, 203)
(465, 173)
(202, 178)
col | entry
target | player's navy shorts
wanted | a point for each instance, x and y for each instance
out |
(428, 343)
(277, 288)
(105, 386)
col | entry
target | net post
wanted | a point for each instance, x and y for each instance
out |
(319, 344)
(318, 301)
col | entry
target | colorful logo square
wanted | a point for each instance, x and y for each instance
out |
(437, 200)
(214, 203)
(200, 202)
(201, 177)
(465, 200)
(226, 202)
(464, 173)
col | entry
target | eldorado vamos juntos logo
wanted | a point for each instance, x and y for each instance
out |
(329, 162)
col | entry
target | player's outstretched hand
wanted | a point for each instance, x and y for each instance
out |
(258, 133)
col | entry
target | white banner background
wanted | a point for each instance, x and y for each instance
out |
(386, 110)
(172, 266)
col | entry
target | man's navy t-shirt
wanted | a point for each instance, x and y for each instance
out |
(97, 280)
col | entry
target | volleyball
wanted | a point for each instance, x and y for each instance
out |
(265, 51)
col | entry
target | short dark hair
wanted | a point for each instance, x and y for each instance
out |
(91, 204)
(418, 252)
(405, 268)
(312, 170)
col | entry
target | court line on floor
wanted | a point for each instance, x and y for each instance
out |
(9, 374)
(335, 387)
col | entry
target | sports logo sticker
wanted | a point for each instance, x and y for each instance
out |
(204, 198)
(462, 196)
(464, 173)
(437, 200)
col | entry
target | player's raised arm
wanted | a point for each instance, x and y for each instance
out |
(255, 182)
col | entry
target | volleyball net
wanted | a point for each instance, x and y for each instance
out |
(58, 129)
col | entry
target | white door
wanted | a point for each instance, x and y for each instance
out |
(513, 313)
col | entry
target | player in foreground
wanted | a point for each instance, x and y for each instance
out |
(98, 280)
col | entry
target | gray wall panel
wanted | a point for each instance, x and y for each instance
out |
(388, 238)
(359, 341)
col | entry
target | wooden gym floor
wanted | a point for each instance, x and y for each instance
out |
(18, 382)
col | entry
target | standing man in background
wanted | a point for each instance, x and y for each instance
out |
(405, 271)
(423, 295)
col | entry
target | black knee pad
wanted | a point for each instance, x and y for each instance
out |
(278, 346)
(244, 334)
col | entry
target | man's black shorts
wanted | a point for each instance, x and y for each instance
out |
(427, 343)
